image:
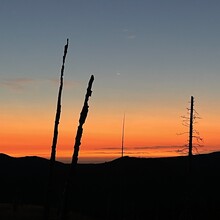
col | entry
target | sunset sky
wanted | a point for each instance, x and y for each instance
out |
(148, 58)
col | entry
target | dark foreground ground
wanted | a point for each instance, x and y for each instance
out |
(126, 188)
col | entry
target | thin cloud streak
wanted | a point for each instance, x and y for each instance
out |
(143, 148)
(132, 36)
(129, 34)
(156, 147)
(18, 83)
(67, 83)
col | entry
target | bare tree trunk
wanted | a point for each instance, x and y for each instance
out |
(191, 127)
(191, 136)
(55, 137)
(188, 208)
(73, 165)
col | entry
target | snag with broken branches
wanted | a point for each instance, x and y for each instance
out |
(68, 187)
(189, 121)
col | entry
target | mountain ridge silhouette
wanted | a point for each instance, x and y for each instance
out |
(148, 188)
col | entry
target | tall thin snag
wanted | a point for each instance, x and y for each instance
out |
(82, 119)
(55, 137)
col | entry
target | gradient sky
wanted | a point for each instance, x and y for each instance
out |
(148, 57)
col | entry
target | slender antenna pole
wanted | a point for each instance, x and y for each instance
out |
(122, 140)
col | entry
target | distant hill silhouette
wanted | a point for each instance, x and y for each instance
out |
(125, 188)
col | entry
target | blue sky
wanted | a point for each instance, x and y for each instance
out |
(148, 57)
(154, 39)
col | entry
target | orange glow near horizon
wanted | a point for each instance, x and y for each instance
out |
(100, 144)
(147, 134)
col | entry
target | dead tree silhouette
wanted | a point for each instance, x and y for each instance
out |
(189, 122)
(54, 142)
(73, 165)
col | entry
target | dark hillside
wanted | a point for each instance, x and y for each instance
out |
(126, 188)
(24, 179)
